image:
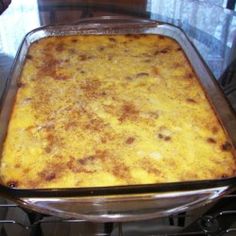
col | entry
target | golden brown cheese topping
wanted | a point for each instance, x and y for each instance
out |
(111, 110)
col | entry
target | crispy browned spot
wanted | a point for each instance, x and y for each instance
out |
(91, 88)
(29, 128)
(155, 71)
(47, 174)
(121, 171)
(74, 40)
(128, 111)
(60, 157)
(26, 170)
(156, 52)
(226, 146)
(29, 57)
(178, 49)
(129, 78)
(61, 77)
(33, 183)
(161, 37)
(147, 60)
(215, 129)
(71, 51)
(12, 183)
(70, 125)
(224, 176)
(95, 124)
(101, 48)
(86, 160)
(177, 64)
(48, 149)
(101, 154)
(49, 68)
(129, 140)
(147, 165)
(142, 74)
(17, 165)
(52, 170)
(111, 39)
(80, 165)
(107, 136)
(85, 57)
(151, 169)
(103, 139)
(60, 47)
(49, 46)
(188, 176)
(133, 36)
(110, 57)
(167, 138)
(189, 75)
(211, 140)
(74, 115)
(73, 165)
(144, 54)
(53, 139)
(112, 45)
(20, 84)
(191, 100)
(162, 51)
(164, 134)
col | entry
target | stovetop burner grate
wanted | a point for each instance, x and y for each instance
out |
(219, 219)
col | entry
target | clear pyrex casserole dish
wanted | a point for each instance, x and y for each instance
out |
(128, 202)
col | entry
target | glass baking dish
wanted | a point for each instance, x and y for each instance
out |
(121, 203)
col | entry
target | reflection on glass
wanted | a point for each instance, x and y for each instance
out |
(15, 22)
(210, 27)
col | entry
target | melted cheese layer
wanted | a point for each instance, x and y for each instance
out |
(111, 110)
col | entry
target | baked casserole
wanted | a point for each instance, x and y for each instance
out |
(108, 110)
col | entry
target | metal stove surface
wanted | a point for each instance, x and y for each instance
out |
(212, 220)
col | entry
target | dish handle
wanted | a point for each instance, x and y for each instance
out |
(130, 207)
(118, 20)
